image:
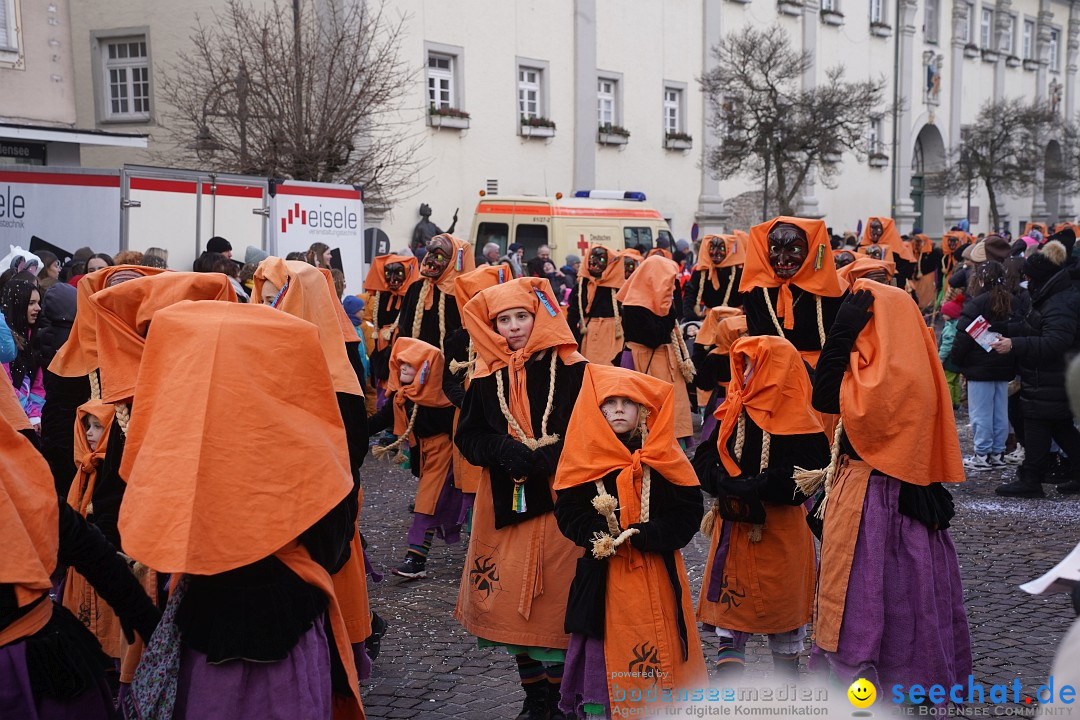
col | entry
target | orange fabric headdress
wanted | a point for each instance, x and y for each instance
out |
(282, 460)
(736, 255)
(863, 265)
(766, 382)
(124, 313)
(78, 356)
(894, 401)
(304, 294)
(890, 238)
(11, 412)
(550, 331)
(817, 275)
(631, 252)
(348, 330)
(659, 251)
(597, 451)
(467, 285)
(28, 518)
(426, 388)
(710, 325)
(651, 286)
(87, 460)
(461, 261)
(376, 277)
(613, 276)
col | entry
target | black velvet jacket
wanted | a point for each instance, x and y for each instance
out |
(482, 434)
(675, 515)
(429, 324)
(804, 336)
(641, 325)
(711, 297)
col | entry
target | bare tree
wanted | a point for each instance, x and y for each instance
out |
(296, 89)
(1004, 150)
(772, 129)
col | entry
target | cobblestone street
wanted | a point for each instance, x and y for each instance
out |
(431, 668)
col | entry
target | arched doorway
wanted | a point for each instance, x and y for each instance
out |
(927, 192)
(1052, 181)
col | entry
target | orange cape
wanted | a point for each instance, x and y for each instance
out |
(304, 295)
(890, 238)
(652, 285)
(817, 275)
(467, 285)
(426, 387)
(659, 251)
(29, 519)
(710, 325)
(894, 401)
(124, 313)
(348, 330)
(766, 382)
(223, 467)
(11, 412)
(596, 450)
(550, 331)
(78, 356)
(736, 255)
(863, 265)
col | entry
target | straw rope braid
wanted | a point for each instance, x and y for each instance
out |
(730, 286)
(383, 451)
(701, 293)
(123, 416)
(532, 443)
(457, 366)
(582, 326)
(810, 481)
(605, 544)
(387, 332)
(442, 321)
(779, 327)
(709, 520)
(682, 355)
(95, 385)
(418, 314)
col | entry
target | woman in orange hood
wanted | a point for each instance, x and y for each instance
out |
(629, 497)
(389, 278)
(650, 300)
(592, 310)
(253, 627)
(712, 368)
(790, 281)
(428, 311)
(513, 422)
(890, 603)
(881, 241)
(419, 413)
(760, 574)
(715, 281)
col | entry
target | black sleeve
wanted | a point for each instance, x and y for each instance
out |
(788, 451)
(758, 321)
(690, 291)
(1057, 334)
(383, 419)
(457, 348)
(677, 303)
(675, 516)
(832, 364)
(641, 325)
(354, 416)
(327, 541)
(573, 316)
(434, 421)
(576, 517)
(109, 488)
(477, 441)
(706, 462)
(962, 342)
(83, 547)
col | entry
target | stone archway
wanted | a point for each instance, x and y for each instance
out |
(927, 190)
(1053, 173)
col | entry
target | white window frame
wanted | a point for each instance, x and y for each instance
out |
(965, 29)
(877, 11)
(101, 40)
(455, 54)
(875, 136)
(440, 81)
(830, 6)
(542, 68)
(931, 21)
(986, 28)
(11, 46)
(605, 101)
(1010, 36)
(529, 89)
(1055, 49)
(1027, 40)
(673, 109)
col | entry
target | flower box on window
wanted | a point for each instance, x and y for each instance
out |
(537, 127)
(880, 29)
(608, 134)
(990, 56)
(971, 50)
(789, 7)
(832, 17)
(1012, 61)
(452, 118)
(678, 141)
(878, 160)
(1031, 65)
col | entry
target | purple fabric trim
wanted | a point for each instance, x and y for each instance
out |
(584, 676)
(708, 422)
(716, 577)
(369, 568)
(447, 518)
(17, 698)
(626, 360)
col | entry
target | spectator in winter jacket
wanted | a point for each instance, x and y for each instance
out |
(951, 311)
(1040, 344)
(21, 305)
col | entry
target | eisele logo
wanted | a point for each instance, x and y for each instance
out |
(332, 220)
(12, 208)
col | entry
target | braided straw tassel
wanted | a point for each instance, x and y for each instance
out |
(682, 355)
(457, 366)
(618, 315)
(698, 305)
(442, 321)
(709, 519)
(810, 481)
(730, 286)
(582, 326)
(383, 451)
(123, 416)
(820, 322)
(544, 439)
(418, 313)
(95, 384)
(605, 544)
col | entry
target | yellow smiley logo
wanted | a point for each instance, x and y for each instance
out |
(862, 693)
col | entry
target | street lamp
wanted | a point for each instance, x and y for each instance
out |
(204, 141)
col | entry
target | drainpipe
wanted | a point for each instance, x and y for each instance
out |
(896, 108)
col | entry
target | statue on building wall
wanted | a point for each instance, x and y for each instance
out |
(1055, 96)
(933, 76)
(425, 229)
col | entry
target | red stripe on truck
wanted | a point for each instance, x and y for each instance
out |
(40, 178)
(491, 209)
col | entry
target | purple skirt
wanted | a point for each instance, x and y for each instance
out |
(447, 518)
(904, 619)
(296, 688)
(708, 422)
(584, 677)
(17, 699)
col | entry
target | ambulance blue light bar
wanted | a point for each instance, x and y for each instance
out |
(610, 195)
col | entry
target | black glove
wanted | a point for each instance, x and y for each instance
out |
(515, 458)
(854, 312)
(643, 540)
(144, 621)
(544, 461)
